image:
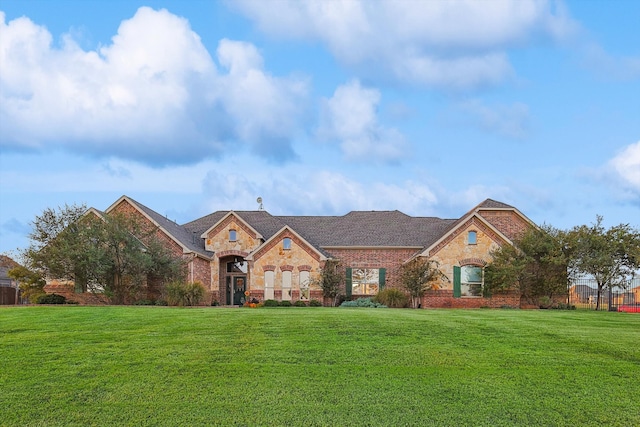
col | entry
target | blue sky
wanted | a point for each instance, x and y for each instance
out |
(320, 107)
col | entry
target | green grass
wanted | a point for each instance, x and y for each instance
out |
(149, 366)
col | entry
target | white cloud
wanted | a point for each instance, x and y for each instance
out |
(510, 121)
(350, 117)
(627, 166)
(312, 193)
(154, 94)
(457, 43)
(264, 108)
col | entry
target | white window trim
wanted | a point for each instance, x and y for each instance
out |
(284, 243)
(475, 235)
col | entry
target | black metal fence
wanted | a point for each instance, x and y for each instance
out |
(583, 293)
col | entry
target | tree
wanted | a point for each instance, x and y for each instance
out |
(122, 258)
(536, 265)
(55, 244)
(31, 283)
(610, 256)
(419, 275)
(113, 253)
(330, 279)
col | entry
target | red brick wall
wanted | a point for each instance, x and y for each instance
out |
(201, 271)
(68, 291)
(390, 258)
(507, 222)
(445, 299)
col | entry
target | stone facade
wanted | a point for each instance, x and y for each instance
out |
(457, 251)
(274, 257)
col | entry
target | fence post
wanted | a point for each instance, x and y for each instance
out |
(610, 298)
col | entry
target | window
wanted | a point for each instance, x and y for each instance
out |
(304, 285)
(232, 236)
(269, 278)
(365, 281)
(472, 238)
(286, 243)
(467, 281)
(286, 286)
(237, 266)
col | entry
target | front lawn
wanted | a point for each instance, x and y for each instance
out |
(154, 366)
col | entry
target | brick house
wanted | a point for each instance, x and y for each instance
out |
(9, 289)
(274, 257)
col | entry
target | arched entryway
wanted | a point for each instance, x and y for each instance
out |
(234, 275)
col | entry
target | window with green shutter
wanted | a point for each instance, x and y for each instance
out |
(365, 281)
(471, 278)
(467, 281)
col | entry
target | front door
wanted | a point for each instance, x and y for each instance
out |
(239, 288)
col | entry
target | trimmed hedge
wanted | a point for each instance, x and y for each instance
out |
(51, 299)
(363, 302)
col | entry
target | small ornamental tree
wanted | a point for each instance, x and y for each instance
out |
(330, 279)
(419, 275)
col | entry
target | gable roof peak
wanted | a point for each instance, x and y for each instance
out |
(179, 234)
(493, 204)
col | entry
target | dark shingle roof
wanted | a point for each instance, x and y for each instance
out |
(357, 228)
(201, 225)
(368, 228)
(261, 221)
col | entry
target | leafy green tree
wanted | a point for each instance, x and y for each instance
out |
(330, 279)
(122, 259)
(31, 283)
(536, 265)
(419, 275)
(610, 256)
(107, 253)
(56, 245)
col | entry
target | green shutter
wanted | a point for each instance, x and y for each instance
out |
(381, 277)
(456, 282)
(348, 283)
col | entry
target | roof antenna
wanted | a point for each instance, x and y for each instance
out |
(259, 200)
